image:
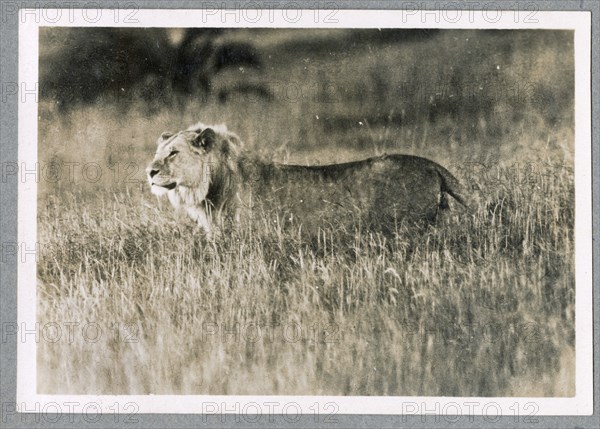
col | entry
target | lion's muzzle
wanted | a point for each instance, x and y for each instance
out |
(156, 185)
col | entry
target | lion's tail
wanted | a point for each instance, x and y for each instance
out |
(452, 186)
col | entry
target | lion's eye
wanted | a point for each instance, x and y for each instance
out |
(173, 153)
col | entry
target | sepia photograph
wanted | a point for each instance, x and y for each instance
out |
(328, 212)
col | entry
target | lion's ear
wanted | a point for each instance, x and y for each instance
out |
(166, 135)
(206, 139)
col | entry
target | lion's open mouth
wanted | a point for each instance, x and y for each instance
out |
(169, 186)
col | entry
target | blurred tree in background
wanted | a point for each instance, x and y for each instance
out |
(106, 64)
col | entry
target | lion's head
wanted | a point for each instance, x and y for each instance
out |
(198, 160)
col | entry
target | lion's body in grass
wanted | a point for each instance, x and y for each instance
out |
(204, 171)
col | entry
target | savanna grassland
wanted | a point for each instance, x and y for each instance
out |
(480, 304)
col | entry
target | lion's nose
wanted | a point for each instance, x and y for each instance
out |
(153, 173)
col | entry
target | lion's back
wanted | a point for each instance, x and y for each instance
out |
(376, 192)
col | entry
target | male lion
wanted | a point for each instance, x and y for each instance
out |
(204, 171)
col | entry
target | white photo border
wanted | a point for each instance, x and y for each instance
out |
(581, 404)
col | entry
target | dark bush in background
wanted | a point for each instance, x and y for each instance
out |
(85, 66)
